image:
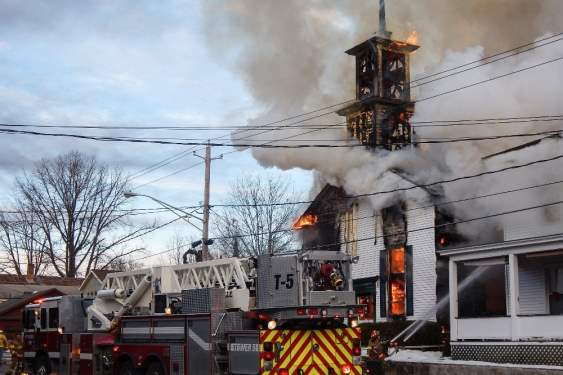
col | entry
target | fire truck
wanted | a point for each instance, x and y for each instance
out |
(272, 315)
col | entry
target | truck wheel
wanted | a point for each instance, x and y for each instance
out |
(155, 368)
(125, 368)
(41, 366)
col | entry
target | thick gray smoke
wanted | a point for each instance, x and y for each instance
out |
(290, 55)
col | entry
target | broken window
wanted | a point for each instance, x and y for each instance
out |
(361, 125)
(396, 130)
(394, 75)
(366, 69)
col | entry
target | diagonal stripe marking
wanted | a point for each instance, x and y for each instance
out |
(295, 346)
(284, 356)
(336, 353)
(328, 352)
(306, 358)
(304, 349)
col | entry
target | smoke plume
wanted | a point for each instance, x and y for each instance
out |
(290, 56)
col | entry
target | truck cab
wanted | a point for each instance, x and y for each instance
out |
(51, 329)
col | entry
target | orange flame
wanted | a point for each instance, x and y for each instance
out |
(304, 221)
(412, 38)
(397, 298)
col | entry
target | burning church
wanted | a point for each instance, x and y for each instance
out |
(396, 274)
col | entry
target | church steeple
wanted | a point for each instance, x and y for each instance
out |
(380, 116)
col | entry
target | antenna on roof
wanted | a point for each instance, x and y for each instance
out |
(382, 22)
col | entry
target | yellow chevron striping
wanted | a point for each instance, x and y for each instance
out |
(299, 354)
(297, 341)
(330, 350)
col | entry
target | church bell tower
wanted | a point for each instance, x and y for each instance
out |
(379, 118)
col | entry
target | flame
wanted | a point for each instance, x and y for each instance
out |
(397, 258)
(304, 221)
(397, 298)
(412, 38)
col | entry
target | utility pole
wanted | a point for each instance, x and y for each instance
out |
(205, 230)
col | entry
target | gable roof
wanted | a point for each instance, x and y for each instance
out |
(98, 274)
(15, 286)
(39, 280)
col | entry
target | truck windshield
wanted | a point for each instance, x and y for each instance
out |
(29, 319)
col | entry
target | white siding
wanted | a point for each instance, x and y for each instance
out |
(424, 258)
(368, 250)
(424, 262)
(526, 225)
(533, 295)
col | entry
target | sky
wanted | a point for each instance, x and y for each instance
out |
(217, 63)
(66, 62)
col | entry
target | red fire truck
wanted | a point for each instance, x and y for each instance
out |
(283, 314)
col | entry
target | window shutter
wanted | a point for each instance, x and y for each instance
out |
(409, 281)
(383, 259)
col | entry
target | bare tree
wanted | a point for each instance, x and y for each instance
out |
(23, 243)
(125, 263)
(252, 221)
(178, 244)
(78, 203)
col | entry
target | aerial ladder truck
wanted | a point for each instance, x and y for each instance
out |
(273, 315)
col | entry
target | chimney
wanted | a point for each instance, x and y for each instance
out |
(30, 277)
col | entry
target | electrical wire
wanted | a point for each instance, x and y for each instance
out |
(269, 145)
(372, 238)
(490, 79)
(486, 58)
(487, 62)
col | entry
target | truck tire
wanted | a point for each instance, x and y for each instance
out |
(126, 368)
(155, 368)
(41, 366)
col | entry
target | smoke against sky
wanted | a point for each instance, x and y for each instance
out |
(290, 55)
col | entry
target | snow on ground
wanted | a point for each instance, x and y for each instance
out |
(408, 355)
(418, 356)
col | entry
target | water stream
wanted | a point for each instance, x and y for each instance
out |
(412, 329)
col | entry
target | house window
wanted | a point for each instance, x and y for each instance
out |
(482, 290)
(397, 281)
(369, 301)
(350, 230)
(556, 292)
(365, 294)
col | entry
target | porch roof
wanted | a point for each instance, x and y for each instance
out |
(520, 246)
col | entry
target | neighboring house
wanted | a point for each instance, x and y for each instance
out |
(14, 286)
(93, 282)
(506, 300)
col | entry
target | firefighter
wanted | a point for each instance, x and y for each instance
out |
(16, 348)
(376, 354)
(3, 346)
(375, 347)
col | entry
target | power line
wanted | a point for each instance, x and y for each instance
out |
(488, 62)
(415, 186)
(433, 205)
(340, 243)
(269, 145)
(443, 225)
(486, 58)
(169, 175)
(490, 79)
